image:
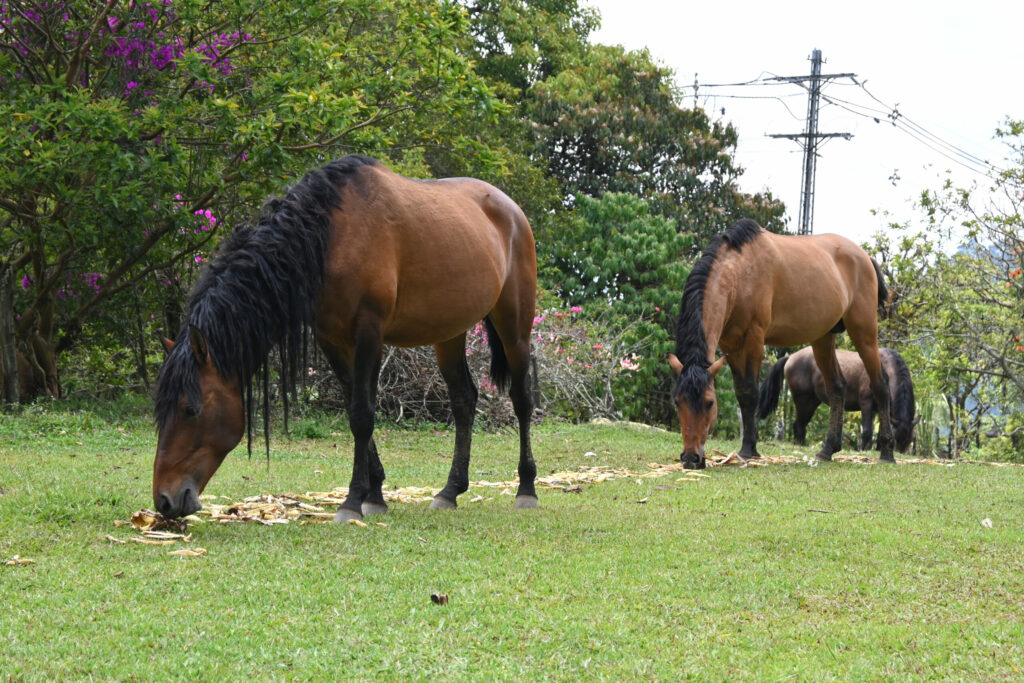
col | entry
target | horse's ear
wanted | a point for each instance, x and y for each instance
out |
(674, 363)
(167, 344)
(716, 366)
(200, 349)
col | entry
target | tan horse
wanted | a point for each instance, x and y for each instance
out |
(751, 288)
(807, 387)
(368, 258)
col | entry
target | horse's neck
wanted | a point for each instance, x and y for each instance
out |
(717, 308)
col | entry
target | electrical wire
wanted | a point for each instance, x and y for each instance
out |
(891, 113)
(920, 134)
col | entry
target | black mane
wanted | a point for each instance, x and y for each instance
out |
(259, 291)
(691, 340)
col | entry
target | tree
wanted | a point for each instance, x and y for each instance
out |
(958, 312)
(134, 131)
(611, 122)
(521, 42)
(626, 266)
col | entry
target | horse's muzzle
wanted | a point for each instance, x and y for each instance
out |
(693, 460)
(185, 503)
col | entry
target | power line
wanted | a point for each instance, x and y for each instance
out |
(887, 112)
(919, 133)
(810, 139)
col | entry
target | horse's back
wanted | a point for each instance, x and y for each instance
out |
(816, 280)
(429, 258)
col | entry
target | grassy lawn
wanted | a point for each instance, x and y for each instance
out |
(787, 571)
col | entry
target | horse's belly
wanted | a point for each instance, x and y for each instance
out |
(795, 335)
(430, 313)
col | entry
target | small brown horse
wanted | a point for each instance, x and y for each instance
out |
(368, 258)
(807, 386)
(751, 288)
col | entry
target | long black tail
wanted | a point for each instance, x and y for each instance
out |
(883, 293)
(903, 405)
(500, 373)
(768, 398)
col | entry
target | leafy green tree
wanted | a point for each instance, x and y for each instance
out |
(134, 131)
(515, 43)
(958, 290)
(521, 42)
(611, 122)
(626, 267)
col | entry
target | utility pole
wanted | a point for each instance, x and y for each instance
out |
(810, 138)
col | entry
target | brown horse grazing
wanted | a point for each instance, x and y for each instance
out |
(807, 386)
(751, 288)
(368, 258)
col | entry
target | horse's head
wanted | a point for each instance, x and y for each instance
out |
(696, 406)
(200, 418)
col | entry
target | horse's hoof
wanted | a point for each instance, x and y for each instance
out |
(440, 503)
(374, 508)
(525, 502)
(344, 515)
(823, 456)
(887, 459)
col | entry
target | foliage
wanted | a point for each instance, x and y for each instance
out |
(139, 130)
(611, 122)
(521, 42)
(514, 44)
(959, 303)
(135, 131)
(626, 268)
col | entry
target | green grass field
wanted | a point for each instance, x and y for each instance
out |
(788, 571)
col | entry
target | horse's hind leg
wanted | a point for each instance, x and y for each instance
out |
(462, 394)
(522, 403)
(513, 326)
(835, 387)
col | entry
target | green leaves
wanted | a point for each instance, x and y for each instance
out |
(628, 266)
(174, 108)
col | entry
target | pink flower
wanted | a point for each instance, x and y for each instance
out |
(628, 364)
(576, 309)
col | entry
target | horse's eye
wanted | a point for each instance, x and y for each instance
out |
(189, 412)
(710, 404)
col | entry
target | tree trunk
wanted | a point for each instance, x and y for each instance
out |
(8, 352)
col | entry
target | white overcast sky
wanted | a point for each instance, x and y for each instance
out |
(953, 67)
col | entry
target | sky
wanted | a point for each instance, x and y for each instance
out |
(950, 68)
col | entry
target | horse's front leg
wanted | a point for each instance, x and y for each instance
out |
(867, 424)
(374, 502)
(366, 468)
(745, 382)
